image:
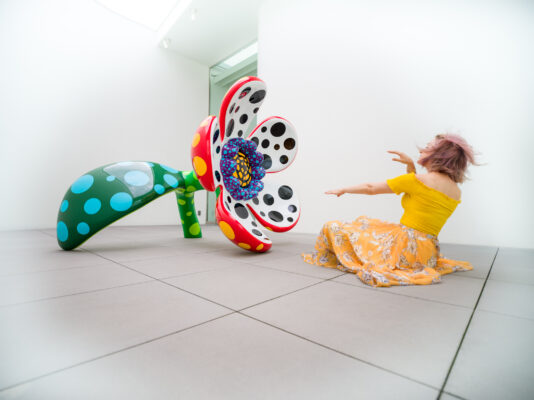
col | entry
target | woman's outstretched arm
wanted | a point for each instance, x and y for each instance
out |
(364, 188)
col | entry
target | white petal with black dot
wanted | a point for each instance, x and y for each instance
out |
(239, 225)
(277, 207)
(277, 141)
(240, 106)
(216, 148)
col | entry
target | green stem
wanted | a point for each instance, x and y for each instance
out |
(185, 197)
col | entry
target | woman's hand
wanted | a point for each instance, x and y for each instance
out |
(337, 192)
(403, 159)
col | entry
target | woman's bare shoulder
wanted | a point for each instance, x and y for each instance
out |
(441, 183)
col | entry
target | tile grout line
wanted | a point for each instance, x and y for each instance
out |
(74, 294)
(442, 390)
(337, 351)
(114, 352)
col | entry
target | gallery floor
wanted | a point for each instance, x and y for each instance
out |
(142, 313)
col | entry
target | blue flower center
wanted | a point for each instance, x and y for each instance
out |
(241, 169)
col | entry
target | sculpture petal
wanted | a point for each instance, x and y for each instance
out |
(276, 207)
(277, 141)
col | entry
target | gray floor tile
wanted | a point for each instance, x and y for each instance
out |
(21, 261)
(480, 256)
(136, 251)
(242, 286)
(495, 361)
(10, 240)
(447, 396)
(41, 337)
(294, 263)
(508, 298)
(231, 358)
(453, 289)
(42, 285)
(514, 265)
(413, 337)
(180, 265)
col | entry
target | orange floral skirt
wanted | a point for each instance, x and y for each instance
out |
(382, 253)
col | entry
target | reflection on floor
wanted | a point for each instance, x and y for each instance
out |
(142, 313)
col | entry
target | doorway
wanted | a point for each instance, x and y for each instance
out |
(222, 77)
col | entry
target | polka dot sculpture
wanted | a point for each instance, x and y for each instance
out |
(223, 161)
(234, 166)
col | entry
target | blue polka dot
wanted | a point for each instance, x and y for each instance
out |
(62, 231)
(92, 206)
(110, 178)
(136, 178)
(83, 228)
(169, 169)
(159, 189)
(82, 184)
(121, 201)
(64, 205)
(171, 180)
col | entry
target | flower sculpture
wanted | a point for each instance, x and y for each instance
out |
(223, 161)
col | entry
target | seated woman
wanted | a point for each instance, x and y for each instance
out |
(386, 254)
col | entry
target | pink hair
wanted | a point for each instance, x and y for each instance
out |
(449, 154)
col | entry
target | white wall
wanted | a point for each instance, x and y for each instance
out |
(81, 87)
(360, 77)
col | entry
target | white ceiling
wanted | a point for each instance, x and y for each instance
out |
(219, 29)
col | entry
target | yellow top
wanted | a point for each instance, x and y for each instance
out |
(425, 209)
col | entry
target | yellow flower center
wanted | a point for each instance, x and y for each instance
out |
(242, 171)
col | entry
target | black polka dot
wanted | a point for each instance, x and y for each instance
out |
(215, 136)
(218, 149)
(244, 92)
(257, 96)
(243, 118)
(284, 159)
(240, 133)
(285, 192)
(277, 147)
(256, 232)
(241, 211)
(253, 223)
(263, 128)
(255, 110)
(230, 127)
(237, 109)
(262, 213)
(289, 143)
(255, 201)
(265, 143)
(267, 162)
(292, 208)
(268, 199)
(256, 140)
(218, 176)
(278, 129)
(290, 219)
(232, 108)
(276, 216)
(227, 206)
(228, 199)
